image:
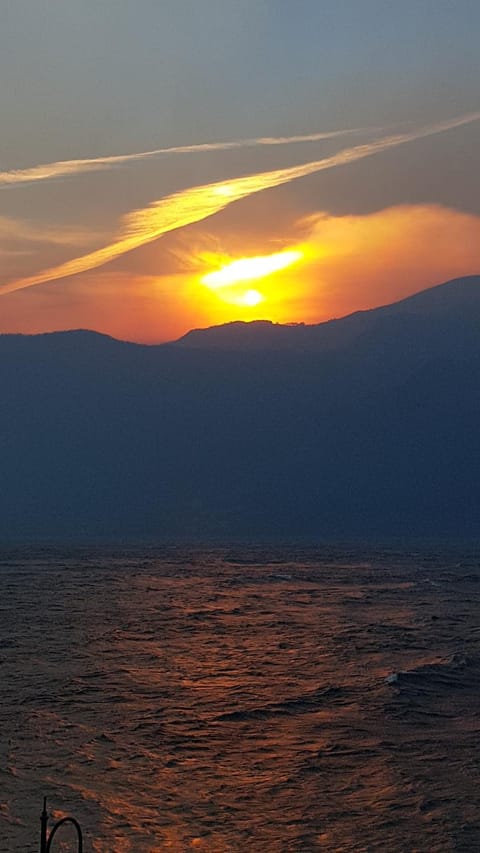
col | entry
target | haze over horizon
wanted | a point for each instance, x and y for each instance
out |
(154, 181)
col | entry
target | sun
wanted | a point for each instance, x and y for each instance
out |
(252, 298)
(230, 280)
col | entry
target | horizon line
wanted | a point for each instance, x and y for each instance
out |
(291, 324)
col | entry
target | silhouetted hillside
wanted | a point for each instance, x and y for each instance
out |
(377, 434)
(455, 299)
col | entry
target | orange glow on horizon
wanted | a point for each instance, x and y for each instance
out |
(337, 265)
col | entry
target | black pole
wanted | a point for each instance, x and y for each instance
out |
(43, 825)
(46, 843)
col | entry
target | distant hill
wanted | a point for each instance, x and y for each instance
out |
(455, 300)
(364, 426)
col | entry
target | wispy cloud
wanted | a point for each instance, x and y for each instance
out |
(14, 230)
(69, 168)
(197, 203)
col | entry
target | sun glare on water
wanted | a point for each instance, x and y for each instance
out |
(228, 281)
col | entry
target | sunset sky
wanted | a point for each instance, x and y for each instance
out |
(177, 164)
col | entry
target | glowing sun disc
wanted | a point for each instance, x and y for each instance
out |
(252, 298)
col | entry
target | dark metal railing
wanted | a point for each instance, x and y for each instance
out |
(46, 839)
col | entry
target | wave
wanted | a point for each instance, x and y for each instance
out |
(297, 705)
(445, 688)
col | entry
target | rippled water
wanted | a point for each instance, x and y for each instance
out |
(242, 700)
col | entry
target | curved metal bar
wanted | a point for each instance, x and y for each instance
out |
(58, 825)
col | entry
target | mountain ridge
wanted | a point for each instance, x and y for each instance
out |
(261, 334)
(436, 300)
(377, 436)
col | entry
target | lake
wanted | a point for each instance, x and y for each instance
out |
(273, 700)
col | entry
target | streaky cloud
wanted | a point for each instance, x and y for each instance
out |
(198, 203)
(70, 168)
(17, 230)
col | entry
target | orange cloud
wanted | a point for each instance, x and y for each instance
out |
(359, 262)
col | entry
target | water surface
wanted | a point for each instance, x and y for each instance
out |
(242, 699)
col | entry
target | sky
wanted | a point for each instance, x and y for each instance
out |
(172, 165)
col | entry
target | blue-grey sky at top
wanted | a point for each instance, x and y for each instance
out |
(101, 76)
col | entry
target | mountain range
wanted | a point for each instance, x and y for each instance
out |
(365, 426)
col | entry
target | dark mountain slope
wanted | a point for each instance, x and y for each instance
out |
(457, 300)
(377, 437)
